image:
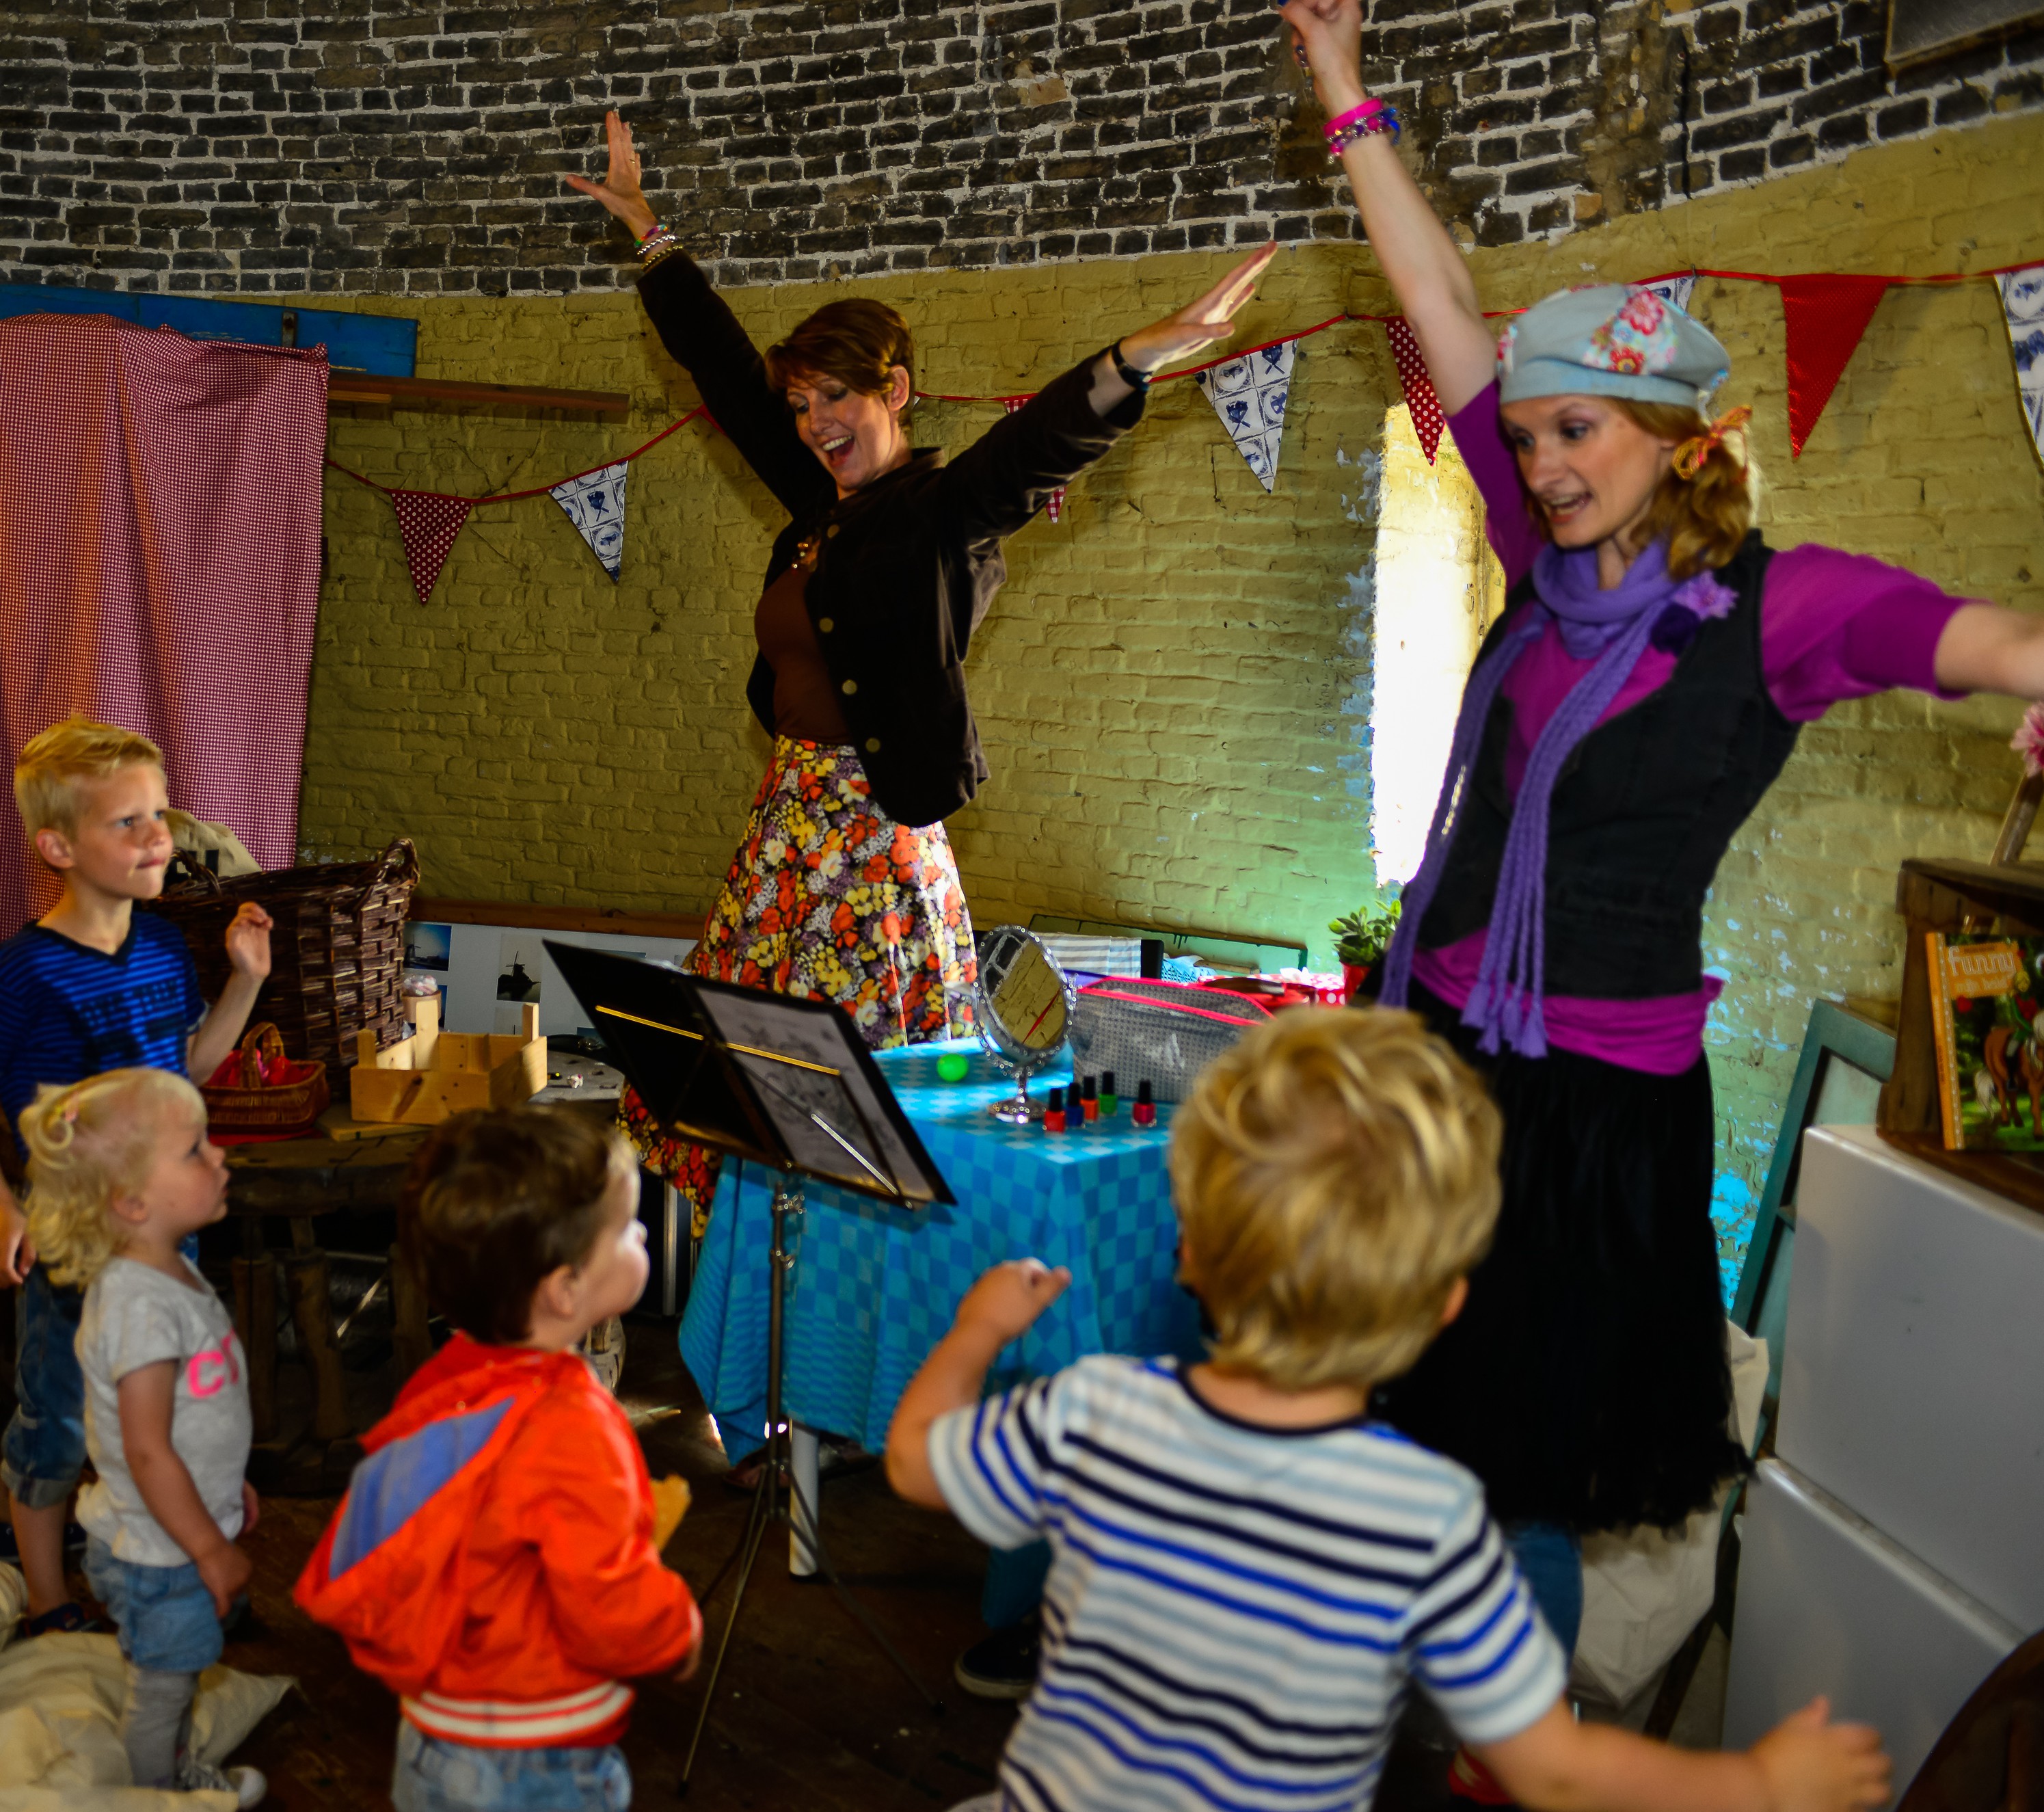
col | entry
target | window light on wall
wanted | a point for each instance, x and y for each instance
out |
(1438, 587)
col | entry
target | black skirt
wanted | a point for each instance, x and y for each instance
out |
(1585, 1382)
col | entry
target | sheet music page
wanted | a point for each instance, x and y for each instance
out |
(790, 1095)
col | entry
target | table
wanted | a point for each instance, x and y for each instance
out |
(875, 1287)
(299, 1179)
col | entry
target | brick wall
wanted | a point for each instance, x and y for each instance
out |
(217, 145)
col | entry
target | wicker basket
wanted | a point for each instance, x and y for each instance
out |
(261, 1094)
(336, 953)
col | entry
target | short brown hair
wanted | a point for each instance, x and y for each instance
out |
(1336, 1172)
(52, 770)
(856, 342)
(496, 1200)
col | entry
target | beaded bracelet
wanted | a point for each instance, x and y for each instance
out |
(1362, 111)
(656, 244)
(1350, 130)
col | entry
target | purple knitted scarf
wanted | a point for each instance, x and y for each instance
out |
(1647, 608)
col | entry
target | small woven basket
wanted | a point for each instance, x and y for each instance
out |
(260, 1093)
(336, 952)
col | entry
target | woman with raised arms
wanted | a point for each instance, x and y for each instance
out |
(844, 886)
(1643, 687)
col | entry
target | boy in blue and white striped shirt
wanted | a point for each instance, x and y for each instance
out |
(1247, 1571)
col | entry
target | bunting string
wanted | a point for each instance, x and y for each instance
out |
(1825, 314)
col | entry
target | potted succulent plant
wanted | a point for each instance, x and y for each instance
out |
(1360, 938)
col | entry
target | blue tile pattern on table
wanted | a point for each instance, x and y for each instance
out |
(875, 1287)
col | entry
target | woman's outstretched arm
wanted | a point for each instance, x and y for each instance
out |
(1423, 264)
(706, 340)
(1003, 478)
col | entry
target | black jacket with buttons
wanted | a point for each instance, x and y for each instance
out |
(908, 564)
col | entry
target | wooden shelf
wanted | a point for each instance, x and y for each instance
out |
(624, 921)
(363, 387)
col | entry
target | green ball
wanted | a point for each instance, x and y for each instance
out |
(954, 1066)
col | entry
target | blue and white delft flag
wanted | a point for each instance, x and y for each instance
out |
(2023, 302)
(595, 504)
(1675, 290)
(1248, 394)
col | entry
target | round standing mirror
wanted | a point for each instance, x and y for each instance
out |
(1025, 1003)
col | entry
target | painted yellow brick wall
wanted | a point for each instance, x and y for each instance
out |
(1172, 688)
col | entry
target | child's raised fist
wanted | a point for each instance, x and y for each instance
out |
(249, 941)
(1007, 1298)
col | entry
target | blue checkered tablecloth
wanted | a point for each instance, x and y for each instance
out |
(875, 1287)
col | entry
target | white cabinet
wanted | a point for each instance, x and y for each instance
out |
(1894, 1549)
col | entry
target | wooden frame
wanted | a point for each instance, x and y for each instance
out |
(1948, 895)
(1833, 1032)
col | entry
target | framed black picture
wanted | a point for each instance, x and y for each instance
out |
(1919, 30)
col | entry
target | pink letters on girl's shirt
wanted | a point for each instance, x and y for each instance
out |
(213, 1368)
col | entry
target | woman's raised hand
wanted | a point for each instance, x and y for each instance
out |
(1198, 323)
(1330, 32)
(619, 190)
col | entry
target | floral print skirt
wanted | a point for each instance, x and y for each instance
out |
(828, 897)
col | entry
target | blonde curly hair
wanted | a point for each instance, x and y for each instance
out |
(1335, 1173)
(90, 1142)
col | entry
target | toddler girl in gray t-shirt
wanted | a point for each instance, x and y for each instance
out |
(120, 1171)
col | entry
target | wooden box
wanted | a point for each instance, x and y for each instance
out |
(433, 1075)
(1949, 895)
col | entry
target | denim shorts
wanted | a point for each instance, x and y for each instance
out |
(435, 1777)
(44, 1446)
(165, 1614)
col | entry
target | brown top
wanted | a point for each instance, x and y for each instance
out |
(804, 702)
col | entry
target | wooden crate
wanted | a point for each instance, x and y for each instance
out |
(1949, 895)
(424, 1078)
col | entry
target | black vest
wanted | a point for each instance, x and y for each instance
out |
(1643, 811)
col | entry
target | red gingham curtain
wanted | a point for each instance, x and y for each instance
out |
(159, 524)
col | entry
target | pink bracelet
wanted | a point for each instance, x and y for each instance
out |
(1355, 117)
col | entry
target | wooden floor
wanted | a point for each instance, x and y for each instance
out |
(809, 1714)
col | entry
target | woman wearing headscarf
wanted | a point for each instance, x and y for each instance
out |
(1643, 687)
(844, 886)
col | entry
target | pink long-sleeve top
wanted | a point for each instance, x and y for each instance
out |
(1832, 626)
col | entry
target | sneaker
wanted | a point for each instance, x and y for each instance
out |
(1003, 1665)
(247, 1785)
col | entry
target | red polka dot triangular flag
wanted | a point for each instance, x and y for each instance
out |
(429, 523)
(1055, 507)
(1428, 420)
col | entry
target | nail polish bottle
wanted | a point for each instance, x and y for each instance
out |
(1146, 1109)
(1054, 1112)
(1108, 1100)
(1090, 1098)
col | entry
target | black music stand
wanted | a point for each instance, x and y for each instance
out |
(788, 1083)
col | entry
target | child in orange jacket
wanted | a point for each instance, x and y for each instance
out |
(494, 1562)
